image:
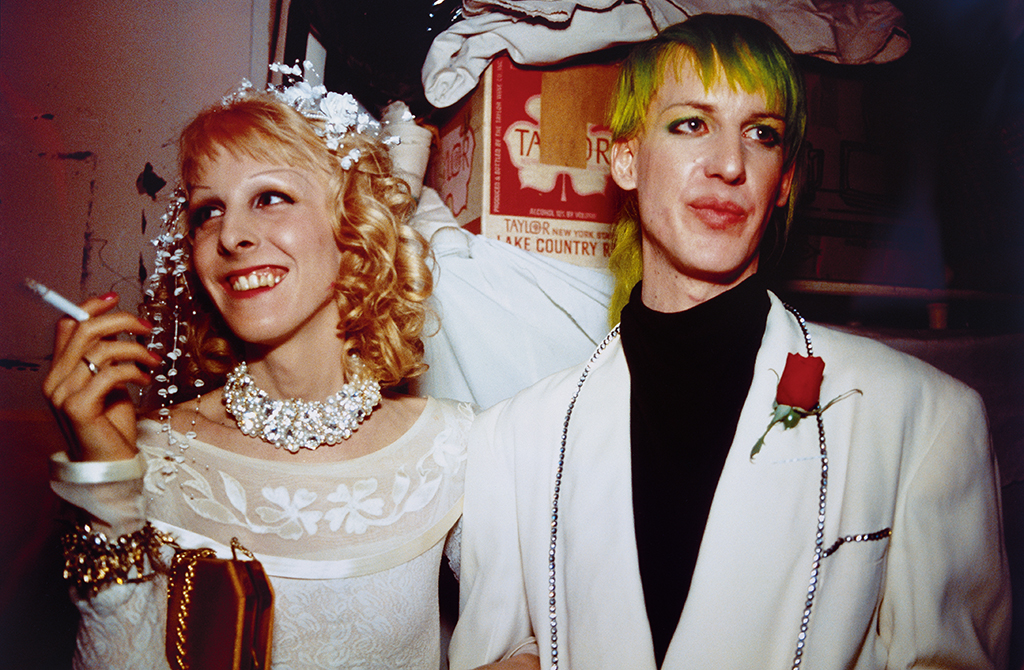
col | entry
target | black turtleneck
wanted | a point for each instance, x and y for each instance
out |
(689, 375)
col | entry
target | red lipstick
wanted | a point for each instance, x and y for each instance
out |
(718, 214)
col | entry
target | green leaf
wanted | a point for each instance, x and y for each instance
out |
(792, 419)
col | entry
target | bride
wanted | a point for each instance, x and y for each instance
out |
(289, 283)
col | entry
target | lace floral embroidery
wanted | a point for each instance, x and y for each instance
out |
(357, 506)
(353, 507)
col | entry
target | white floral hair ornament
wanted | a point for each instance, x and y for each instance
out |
(340, 113)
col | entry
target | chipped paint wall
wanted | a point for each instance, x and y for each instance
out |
(90, 93)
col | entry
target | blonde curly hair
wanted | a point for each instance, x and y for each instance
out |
(384, 279)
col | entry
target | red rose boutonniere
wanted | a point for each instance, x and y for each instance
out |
(797, 395)
(800, 385)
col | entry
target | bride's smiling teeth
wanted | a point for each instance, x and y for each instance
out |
(254, 280)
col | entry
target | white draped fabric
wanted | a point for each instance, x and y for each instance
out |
(508, 317)
(539, 32)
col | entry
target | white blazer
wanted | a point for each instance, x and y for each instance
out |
(910, 454)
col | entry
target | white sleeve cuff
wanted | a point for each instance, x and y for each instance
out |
(527, 646)
(95, 472)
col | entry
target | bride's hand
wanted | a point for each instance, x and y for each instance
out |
(92, 401)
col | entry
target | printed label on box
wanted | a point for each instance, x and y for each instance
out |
(454, 166)
(527, 159)
(551, 208)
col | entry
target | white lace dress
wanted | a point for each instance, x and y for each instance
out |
(352, 548)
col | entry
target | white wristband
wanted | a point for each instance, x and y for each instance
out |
(95, 472)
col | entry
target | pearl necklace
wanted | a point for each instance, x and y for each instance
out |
(295, 423)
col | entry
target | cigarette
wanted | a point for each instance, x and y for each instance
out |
(57, 300)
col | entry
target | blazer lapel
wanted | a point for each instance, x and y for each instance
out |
(599, 539)
(752, 571)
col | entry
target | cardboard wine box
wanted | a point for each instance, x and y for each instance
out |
(526, 160)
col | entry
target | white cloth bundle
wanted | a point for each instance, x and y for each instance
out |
(538, 32)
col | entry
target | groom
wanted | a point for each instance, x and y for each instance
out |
(670, 504)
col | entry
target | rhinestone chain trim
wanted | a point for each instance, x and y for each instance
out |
(862, 537)
(552, 609)
(819, 534)
(819, 552)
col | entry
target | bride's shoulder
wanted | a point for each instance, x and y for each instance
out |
(399, 412)
(405, 403)
(411, 408)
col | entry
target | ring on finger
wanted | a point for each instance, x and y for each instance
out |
(93, 368)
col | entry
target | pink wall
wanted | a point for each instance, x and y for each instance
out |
(90, 92)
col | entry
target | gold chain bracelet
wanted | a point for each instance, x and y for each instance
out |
(92, 561)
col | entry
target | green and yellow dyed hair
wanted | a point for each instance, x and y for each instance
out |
(751, 57)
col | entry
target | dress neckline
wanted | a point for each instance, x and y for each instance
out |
(429, 409)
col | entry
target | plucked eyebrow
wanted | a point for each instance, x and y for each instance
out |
(271, 171)
(769, 116)
(708, 108)
(289, 170)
